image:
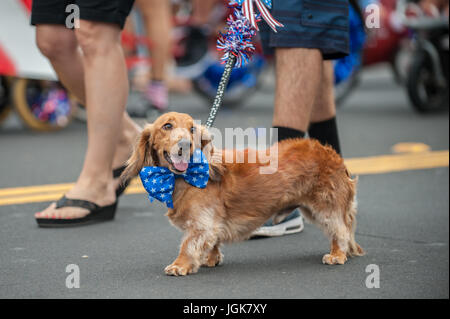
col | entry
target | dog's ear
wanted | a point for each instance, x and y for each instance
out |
(142, 154)
(216, 167)
(214, 156)
(203, 140)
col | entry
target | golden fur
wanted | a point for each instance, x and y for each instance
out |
(238, 199)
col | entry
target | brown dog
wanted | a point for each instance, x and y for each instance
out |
(238, 198)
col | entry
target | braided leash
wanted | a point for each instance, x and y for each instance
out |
(237, 44)
(221, 91)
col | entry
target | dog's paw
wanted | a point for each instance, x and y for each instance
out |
(213, 259)
(334, 259)
(179, 270)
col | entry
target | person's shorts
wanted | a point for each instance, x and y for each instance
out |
(310, 24)
(54, 11)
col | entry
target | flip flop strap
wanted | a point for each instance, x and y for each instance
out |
(67, 202)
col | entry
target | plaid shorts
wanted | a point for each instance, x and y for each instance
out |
(322, 25)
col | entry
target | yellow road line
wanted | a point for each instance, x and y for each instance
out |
(47, 197)
(411, 147)
(34, 189)
(6, 192)
(396, 163)
(357, 166)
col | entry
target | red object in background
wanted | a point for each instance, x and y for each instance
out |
(130, 41)
(389, 4)
(27, 4)
(382, 44)
(6, 65)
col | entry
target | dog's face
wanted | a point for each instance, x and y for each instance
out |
(172, 139)
(168, 142)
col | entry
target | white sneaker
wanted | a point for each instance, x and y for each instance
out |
(292, 224)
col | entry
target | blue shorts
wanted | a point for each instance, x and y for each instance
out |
(314, 24)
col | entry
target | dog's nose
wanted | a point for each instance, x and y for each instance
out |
(184, 144)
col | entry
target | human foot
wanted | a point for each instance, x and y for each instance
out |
(101, 194)
(96, 214)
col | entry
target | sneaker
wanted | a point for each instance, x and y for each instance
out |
(292, 224)
(158, 95)
(149, 104)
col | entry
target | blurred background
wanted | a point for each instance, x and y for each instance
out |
(171, 54)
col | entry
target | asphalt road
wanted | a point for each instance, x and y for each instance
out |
(403, 221)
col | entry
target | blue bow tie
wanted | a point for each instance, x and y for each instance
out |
(160, 181)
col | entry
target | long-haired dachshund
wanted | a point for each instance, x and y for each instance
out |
(238, 198)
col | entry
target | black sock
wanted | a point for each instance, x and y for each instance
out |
(286, 132)
(326, 133)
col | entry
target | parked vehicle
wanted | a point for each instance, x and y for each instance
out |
(387, 44)
(427, 77)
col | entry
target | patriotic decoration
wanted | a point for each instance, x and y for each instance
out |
(263, 6)
(237, 44)
(160, 181)
(51, 105)
(237, 41)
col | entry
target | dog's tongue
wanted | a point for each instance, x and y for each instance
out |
(180, 164)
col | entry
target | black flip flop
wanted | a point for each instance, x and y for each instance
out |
(123, 186)
(96, 214)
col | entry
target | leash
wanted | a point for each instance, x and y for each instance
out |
(221, 91)
(237, 44)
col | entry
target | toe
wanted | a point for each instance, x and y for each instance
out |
(334, 259)
(52, 212)
(175, 270)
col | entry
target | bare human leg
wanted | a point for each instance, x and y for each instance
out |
(60, 46)
(157, 18)
(298, 75)
(104, 72)
(324, 105)
(323, 126)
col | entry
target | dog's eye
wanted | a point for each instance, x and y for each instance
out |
(193, 130)
(167, 126)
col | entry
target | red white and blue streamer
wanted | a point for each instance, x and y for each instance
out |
(263, 6)
(237, 41)
(237, 44)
